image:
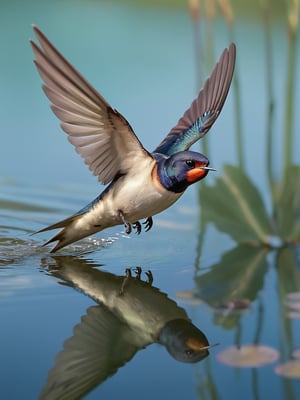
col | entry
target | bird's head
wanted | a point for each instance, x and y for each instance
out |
(184, 341)
(182, 169)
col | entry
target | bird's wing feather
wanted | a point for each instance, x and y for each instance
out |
(100, 345)
(100, 134)
(204, 110)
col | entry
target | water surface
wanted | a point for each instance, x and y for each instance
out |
(141, 59)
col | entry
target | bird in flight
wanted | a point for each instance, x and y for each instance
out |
(140, 183)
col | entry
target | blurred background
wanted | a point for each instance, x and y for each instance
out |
(227, 251)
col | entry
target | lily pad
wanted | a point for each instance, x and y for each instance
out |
(248, 356)
(294, 296)
(293, 305)
(289, 369)
(187, 297)
(238, 305)
(185, 294)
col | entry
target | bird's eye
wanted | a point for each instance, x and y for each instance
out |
(190, 163)
(189, 353)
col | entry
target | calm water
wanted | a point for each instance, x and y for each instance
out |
(141, 59)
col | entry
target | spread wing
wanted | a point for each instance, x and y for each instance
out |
(204, 110)
(100, 134)
(100, 345)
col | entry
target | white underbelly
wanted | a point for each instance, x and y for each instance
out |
(137, 196)
(139, 199)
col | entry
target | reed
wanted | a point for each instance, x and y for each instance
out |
(228, 15)
(292, 36)
(257, 225)
(266, 13)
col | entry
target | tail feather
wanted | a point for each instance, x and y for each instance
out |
(61, 241)
(62, 238)
(60, 224)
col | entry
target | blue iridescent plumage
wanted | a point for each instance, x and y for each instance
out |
(181, 141)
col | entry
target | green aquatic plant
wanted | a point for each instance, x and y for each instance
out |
(233, 203)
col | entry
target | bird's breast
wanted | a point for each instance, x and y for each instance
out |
(140, 194)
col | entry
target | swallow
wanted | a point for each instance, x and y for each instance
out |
(114, 330)
(140, 183)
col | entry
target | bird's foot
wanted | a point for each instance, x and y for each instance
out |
(138, 273)
(127, 224)
(148, 224)
(138, 227)
(125, 280)
(149, 277)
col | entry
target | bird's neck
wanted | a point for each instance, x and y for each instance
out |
(167, 180)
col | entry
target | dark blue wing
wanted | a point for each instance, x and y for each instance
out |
(204, 110)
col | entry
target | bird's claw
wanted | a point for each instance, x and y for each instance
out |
(138, 272)
(138, 227)
(128, 229)
(149, 277)
(148, 224)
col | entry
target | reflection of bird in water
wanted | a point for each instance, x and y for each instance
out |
(131, 315)
(142, 184)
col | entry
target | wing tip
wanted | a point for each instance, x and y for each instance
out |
(211, 98)
(38, 33)
(232, 47)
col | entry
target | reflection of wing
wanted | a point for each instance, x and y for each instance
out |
(100, 345)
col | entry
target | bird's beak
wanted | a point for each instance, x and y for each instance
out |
(208, 168)
(198, 173)
(209, 346)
